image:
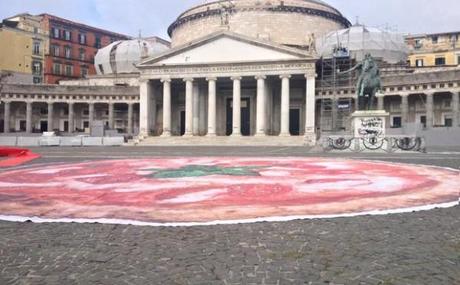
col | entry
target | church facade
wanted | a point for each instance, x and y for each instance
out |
(228, 85)
(235, 69)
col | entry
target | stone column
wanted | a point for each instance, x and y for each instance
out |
(6, 117)
(404, 109)
(130, 118)
(212, 113)
(429, 110)
(188, 107)
(166, 107)
(91, 115)
(71, 118)
(285, 105)
(236, 106)
(310, 109)
(111, 116)
(261, 106)
(334, 113)
(145, 108)
(196, 109)
(380, 102)
(28, 117)
(455, 109)
(202, 114)
(50, 116)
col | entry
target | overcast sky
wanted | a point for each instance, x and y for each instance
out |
(154, 16)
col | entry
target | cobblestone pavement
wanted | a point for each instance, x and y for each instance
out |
(414, 248)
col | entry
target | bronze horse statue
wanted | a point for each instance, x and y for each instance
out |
(368, 84)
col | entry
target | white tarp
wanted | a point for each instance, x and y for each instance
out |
(359, 40)
(126, 55)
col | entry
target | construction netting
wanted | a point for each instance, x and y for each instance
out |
(359, 40)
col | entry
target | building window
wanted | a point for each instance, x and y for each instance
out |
(36, 50)
(67, 35)
(434, 39)
(57, 68)
(82, 55)
(37, 80)
(68, 52)
(82, 39)
(69, 70)
(55, 50)
(418, 44)
(84, 71)
(419, 63)
(55, 32)
(448, 121)
(36, 67)
(85, 112)
(423, 121)
(440, 61)
(97, 43)
(396, 122)
(35, 30)
(458, 59)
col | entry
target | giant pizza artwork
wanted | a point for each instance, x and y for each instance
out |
(221, 190)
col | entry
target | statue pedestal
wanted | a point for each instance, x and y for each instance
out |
(369, 123)
(369, 128)
(369, 135)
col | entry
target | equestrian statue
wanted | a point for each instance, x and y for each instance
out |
(368, 84)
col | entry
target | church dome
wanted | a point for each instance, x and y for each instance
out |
(359, 40)
(121, 56)
(288, 22)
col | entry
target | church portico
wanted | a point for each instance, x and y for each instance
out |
(205, 106)
(228, 97)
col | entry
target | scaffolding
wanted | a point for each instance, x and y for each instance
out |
(341, 50)
(335, 112)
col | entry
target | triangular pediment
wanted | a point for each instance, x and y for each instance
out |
(225, 47)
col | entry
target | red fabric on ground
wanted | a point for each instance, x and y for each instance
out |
(15, 156)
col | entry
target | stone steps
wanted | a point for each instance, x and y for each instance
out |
(221, 141)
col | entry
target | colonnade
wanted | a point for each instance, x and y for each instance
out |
(192, 115)
(429, 108)
(405, 109)
(71, 115)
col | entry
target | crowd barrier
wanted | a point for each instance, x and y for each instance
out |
(80, 141)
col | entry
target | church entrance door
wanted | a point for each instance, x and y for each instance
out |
(245, 116)
(294, 122)
(182, 123)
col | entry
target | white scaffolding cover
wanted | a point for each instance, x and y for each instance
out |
(359, 40)
(121, 56)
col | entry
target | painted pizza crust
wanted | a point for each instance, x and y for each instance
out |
(221, 190)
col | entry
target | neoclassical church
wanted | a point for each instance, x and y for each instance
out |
(242, 68)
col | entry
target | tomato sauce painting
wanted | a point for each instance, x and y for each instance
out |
(219, 190)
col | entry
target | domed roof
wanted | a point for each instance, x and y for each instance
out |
(359, 40)
(314, 4)
(288, 22)
(121, 56)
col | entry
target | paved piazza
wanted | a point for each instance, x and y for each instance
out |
(218, 187)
